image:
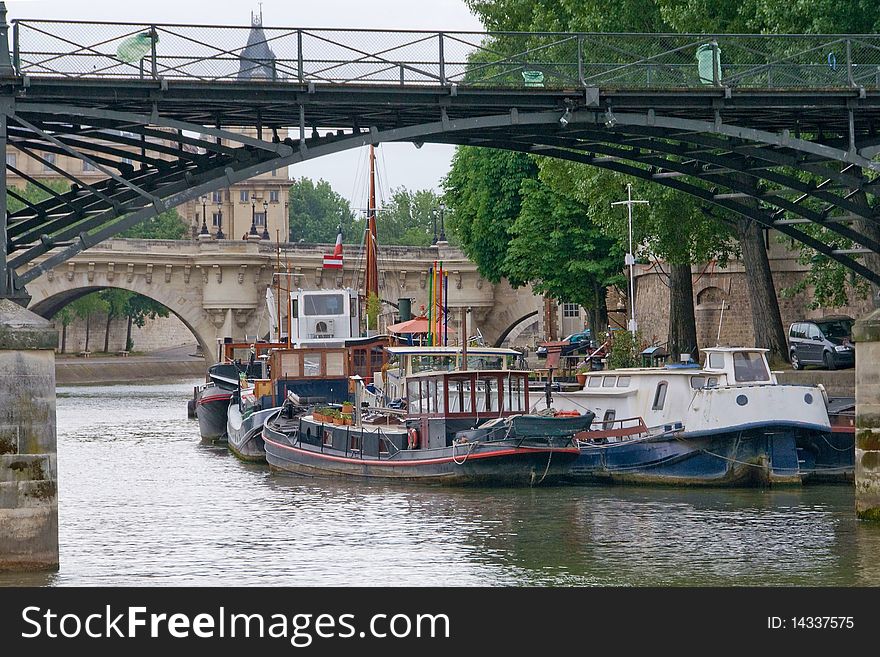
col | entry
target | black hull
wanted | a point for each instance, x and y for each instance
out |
(482, 465)
(756, 457)
(246, 441)
(827, 457)
(211, 409)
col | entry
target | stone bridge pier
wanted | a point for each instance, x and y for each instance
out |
(866, 334)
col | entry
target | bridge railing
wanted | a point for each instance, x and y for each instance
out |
(498, 59)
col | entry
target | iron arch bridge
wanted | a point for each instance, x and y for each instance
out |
(782, 130)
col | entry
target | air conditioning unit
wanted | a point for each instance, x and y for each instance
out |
(323, 328)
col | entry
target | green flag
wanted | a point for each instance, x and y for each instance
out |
(135, 48)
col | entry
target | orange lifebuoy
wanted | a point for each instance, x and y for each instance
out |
(566, 414)
(412, 437)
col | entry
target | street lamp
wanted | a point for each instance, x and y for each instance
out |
(287, 221)
(265, 234)
(253, 232)
(434, 218)
(204, 231)
(220, 235)
(442, 230)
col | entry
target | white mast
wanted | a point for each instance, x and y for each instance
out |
(630, 259)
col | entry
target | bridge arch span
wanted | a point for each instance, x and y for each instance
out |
(50, 296)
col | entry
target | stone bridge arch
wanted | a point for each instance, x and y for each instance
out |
(511, 308)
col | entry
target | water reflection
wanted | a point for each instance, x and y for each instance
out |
(142, 502)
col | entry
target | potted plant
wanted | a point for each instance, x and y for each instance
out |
(346, 419)
(347, 408)
(581, 375)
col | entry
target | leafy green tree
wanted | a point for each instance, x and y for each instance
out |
(409, 217)
(165, 226)
(316, 212)
(65, 316)
(117, 302)
(138, 309)
(33, 194)
(555, 246)
(483, 190)
(87, 306)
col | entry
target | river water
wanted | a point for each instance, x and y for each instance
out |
(142, 502)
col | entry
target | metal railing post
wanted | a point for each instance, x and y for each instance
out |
(299, 56)
(402, 81)
(716, 65)
(154, 67)
(16, 48)
(580, 43)
(442, 60)
(849, 64)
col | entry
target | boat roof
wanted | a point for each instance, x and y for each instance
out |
(733, 349)
(438, 373)
(451, 350)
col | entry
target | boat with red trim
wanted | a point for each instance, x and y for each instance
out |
(458, 428)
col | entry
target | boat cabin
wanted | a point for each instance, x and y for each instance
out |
(406, 361)
(441, 403)
(318, 316)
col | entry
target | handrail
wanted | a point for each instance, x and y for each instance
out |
(560, 60)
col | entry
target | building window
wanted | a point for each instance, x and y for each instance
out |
(10, 159)
(216, 220)
(243, 196)
(571, 310)
(49, 160)
(217, 197)
(273, 196)
(260, 218)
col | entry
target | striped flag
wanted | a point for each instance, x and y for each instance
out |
(335, 261)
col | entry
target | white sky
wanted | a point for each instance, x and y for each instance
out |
(405, 165)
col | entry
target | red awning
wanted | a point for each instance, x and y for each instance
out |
(416, 325)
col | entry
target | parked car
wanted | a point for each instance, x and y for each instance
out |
(576, 342)
(826, 342)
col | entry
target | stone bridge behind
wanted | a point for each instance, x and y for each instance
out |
(218, 288)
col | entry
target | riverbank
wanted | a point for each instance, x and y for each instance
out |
(166, 364)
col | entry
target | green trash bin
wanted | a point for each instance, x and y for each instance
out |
(135, 48)
(709, 63)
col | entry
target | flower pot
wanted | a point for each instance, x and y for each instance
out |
(581, 379)
(347, 409)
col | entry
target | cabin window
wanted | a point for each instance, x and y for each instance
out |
(514, 394)
(289, 364)
(311, 364)
(359, 362)
(324, 304)
(716, 361)
(659, 396)
(467, 398)
(609, 381)
(455, 396)
(328, 438)
(485, 393)
(712, 381)
(594, 382)
(432, 396)
(750, 366)
(335, 364)
(698, 382)
(623, 382)
(608, 419)
(412, 394)
(377, 359)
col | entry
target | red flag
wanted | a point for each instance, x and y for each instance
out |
(335, 261)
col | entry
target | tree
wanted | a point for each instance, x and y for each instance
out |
(138, 309)
(33, 194)
(556, 247)
(483, 189)
(315, 213)
(85, 307)
(409, 217)
(65, 316)
(117, 302)
(167, 225)
(373, 308)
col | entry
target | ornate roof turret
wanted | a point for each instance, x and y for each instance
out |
(257, 58)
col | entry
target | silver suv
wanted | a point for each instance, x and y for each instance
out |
(826, 342)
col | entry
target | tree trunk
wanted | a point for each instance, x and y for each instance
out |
(682, 323)
(597, 312)
(766, 319)
(88, 322)
(63, 338)
(128, 343)
(107, 334)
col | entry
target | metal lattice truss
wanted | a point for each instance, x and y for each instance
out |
(789, 157)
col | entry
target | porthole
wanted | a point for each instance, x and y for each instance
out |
(808, 398)
(742, 400)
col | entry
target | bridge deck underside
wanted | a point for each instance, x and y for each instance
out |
(786, 159)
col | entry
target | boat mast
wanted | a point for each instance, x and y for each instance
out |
(371, 281)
